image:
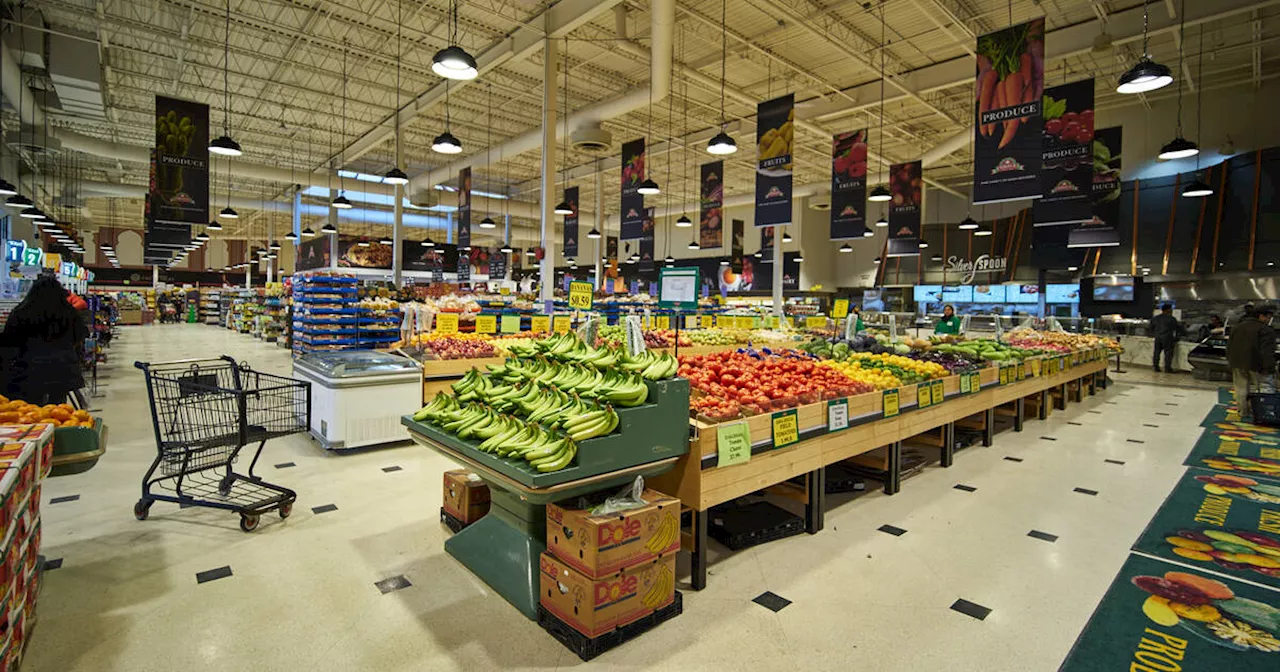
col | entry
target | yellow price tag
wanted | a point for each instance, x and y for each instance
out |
(745, 322)
(890, 399)
(1022, 371)
(1004, 375)
(1035, 368)
(733, 443)
(662, 322)
(840, 308)
(935, 388)
(446, 323)
(646, 322)
(691, 322)
(581, 295)
(726, 321)
(786, 428)
(562, 324)
(540, 324)
(486, 324)
(815, 322)
(706, 322)
(964, 383)
(924, 397)
(504, 291)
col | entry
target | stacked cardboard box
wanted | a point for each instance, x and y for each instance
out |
(25, 459)
(466, 498)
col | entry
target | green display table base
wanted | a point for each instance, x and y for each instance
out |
(502, 548)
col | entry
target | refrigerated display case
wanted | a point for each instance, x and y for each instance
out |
(357, 395)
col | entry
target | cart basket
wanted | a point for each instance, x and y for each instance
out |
(1265, 407)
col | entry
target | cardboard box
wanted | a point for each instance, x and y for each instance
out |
(466, 497)
(595, 606)
(599, 546)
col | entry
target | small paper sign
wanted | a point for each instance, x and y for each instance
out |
(510, 324)
(815, 322)
(924, 397)
(936, 390)
(446, 323)
(691, 322)
(1035, 368)
(581, 295)
(1004, 375)
(706, 322)
(975, 382)
(540, 324)
(562, 324)
(504, 291)
(1022, 371)
(662, 322)
(890, 398)
(837, 415)
(840, 308)
(733, 443)
(786, 428)
(964, 383)
(486, 324)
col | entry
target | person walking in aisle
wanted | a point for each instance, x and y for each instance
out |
(949, 324)
(1165, 329)
(1251, 354)
(44, 345)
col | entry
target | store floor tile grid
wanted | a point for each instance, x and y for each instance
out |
(368, 586)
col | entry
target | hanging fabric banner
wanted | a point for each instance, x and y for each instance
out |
(906, 186)
(1007, 121)
(632, 212)
(1100, 230)
(646, 241)
(774, 135)
(711, 218)
(463, 239)
(766, 244)
(497, 264)
(849, 185)
(611, 250)
(736, 246)
(571, 224)
(1066, 176)
(180, 191)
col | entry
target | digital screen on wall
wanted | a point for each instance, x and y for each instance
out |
(1021, 293)
(1117, 292)
(988, 293)
(927, 293)
(1062, 294)
(957, 294)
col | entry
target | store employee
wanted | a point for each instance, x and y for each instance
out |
(949, 324)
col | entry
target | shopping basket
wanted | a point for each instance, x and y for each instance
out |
(1265, 407)
(204, 412)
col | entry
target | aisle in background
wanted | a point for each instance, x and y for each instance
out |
(302, 593)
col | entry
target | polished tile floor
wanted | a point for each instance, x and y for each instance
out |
(304, 594)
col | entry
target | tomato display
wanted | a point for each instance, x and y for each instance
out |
(733, 383)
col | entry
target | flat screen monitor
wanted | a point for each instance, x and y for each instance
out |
(927, 293)
(957, 294)
(1062, 294)
(1021, 293)
(1118, 293)
(988, 294)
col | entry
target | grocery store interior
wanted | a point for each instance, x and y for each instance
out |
(436, 334)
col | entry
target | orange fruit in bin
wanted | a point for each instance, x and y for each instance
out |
(60, 414)
(4, 399)
(81, 415)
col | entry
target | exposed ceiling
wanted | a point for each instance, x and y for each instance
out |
(285, 77)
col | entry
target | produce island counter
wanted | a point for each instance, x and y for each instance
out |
(872, 436)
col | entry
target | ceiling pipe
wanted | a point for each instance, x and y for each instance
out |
(662, 16)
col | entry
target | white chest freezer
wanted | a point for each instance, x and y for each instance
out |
(358, 396)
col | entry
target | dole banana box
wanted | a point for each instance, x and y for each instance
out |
(466, 497)
(594, 606)
(598, 546)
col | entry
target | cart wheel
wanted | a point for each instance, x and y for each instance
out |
(248, 523)
(224, 486)
(285, 509)
(142, 509)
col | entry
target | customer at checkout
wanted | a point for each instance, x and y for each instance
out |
(1251, 354)
(949, 324)
(1165, 329)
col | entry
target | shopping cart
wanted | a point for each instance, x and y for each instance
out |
(204, 412)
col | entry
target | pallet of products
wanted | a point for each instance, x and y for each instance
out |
(377, 322)
(210, 301)
(326, 315)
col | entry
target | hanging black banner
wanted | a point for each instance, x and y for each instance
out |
(766, 244)
(571, 224)
(848, 185)
(646, 241)
(710, 219)
(736, 246)
(1009, 87)
(314, 253)
(1066, 176)
(632, 212)
(463, 239)
(774, 135)
(906, 186)
(497, 264)
(1100, 230)
(180, 191)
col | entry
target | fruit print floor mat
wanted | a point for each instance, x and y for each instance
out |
(1159, 616)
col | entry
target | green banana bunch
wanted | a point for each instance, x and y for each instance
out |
(589, 425)
(440, 404)
(623, 389)
(663, 365)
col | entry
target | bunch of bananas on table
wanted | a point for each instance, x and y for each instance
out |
(502, 434)
(571, 349)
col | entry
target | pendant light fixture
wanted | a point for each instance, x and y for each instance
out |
(798, 258)
(882, 222)
(275, 244)
(453, 62)
(341, 201)
(786, 237)
(446, 143)
(723, 143)
(670, 260)
(308, 233)
(1198, 188)
(1180, 147)
(693, 245)
(593, 234)
(982, 232)
(223, 144)
(506, 248)
(1145, 75)
(214, 225)
(291, 236)
(427, 242)
(386, 240)
(846, 248)
(364, 242)
(924, 244)
(868, 233)
(967, 224)
(328, 228)
(202, 237)
(876, 261)
(648, 187)
(487, 222)
(563, 207)
(395, 175)
(881, 193)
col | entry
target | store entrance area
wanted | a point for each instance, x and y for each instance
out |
(995, 563)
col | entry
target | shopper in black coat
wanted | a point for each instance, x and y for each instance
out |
(1165, 331)
(44, 339)
(1251, 354)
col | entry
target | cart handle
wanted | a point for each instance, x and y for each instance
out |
(145, 365)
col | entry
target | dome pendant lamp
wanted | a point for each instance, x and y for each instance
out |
(446, 143)
(1179, 147)
(223, 145)
(214, 225)
(395, 176)
(722, 143)
(880, 194)
(1198, 188)
(341, 201)
(648, 187)
(453, 62)
(1145, 75)
(564, 207)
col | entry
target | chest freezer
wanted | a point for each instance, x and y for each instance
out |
(358, 396)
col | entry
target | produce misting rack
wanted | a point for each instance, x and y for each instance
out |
(503, 547)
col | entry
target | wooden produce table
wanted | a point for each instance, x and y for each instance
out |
(701, 484)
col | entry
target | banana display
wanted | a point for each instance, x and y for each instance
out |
(661, 590)
(538, 405)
